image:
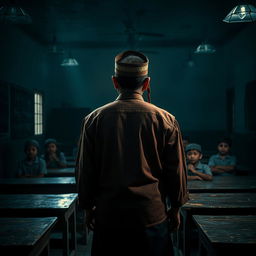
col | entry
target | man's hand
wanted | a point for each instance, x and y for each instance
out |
(90, 218)
(174, 218)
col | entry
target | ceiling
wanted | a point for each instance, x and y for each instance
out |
(131, 23)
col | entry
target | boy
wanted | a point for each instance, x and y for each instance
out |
(196, 170)
(32, 166)
(223, 164)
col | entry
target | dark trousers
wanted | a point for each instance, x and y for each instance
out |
(151, 241)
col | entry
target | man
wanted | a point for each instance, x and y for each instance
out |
(130, 158)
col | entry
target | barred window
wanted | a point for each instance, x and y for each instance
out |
(38, 101)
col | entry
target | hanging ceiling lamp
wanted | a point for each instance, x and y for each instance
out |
(241, 13)
(14, 15)
(69, 61)
(205, 48)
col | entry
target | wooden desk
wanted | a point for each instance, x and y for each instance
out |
(222, 184)
(64, 172)
(214, 204)
(226, 235)
(25, 236)
(58, 185)
(62, 206)
(71, 163)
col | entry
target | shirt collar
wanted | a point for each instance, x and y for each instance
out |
(130, 96)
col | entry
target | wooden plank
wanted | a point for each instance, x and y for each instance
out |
(218, 202)
(71, 163)
(220, 235)
(63, 172)
(46, 185)
(224, 184)
(16, 240)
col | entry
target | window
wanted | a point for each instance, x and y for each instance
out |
(38, 110)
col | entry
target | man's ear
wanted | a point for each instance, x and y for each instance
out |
(146, 84)
(116, 85)
(201, 156)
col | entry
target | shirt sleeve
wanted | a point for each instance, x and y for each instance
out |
(174, 167)
(211, 161)
(232, 160)
(43, 169)
(63, 158)
(85, 166)
(207, 169)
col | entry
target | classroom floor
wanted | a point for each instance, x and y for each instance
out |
(84, 250)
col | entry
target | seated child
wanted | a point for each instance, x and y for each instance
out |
(32, 165)
(196, 170)
(53, 157)
(223, 163)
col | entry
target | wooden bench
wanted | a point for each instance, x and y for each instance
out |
(63, 172)
(222, 184)
(26, 236)
(62, 206)
(226, 235)
(46, 185)
(213, 204)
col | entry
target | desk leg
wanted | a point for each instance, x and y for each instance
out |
(73, 242)
(65, 237)
(46, 251)
(186, 233)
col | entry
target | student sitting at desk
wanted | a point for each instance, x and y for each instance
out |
(53, 157)
(223, 163)
(196, 170)
(32, 166)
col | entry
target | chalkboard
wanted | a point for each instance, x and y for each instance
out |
(22, 113)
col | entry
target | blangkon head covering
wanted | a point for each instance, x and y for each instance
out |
(131, 64)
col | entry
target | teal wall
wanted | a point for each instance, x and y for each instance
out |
(196, 96)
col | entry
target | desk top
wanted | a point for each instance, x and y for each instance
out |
(23, 231)
(221, 200)
(223, 184)
(38, 181)
(71, 163)
(37, 201)
(228, 229)
(61, 172)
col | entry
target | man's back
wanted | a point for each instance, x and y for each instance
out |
(129, 138)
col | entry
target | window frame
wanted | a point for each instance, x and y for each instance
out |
(38, 113)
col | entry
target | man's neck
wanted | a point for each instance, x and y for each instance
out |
(127, 91)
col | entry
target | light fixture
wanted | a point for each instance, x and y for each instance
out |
(14, 15)
(241, 13)
(69, 61)
(205, 48)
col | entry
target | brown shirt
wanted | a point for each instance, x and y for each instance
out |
(130, 157)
